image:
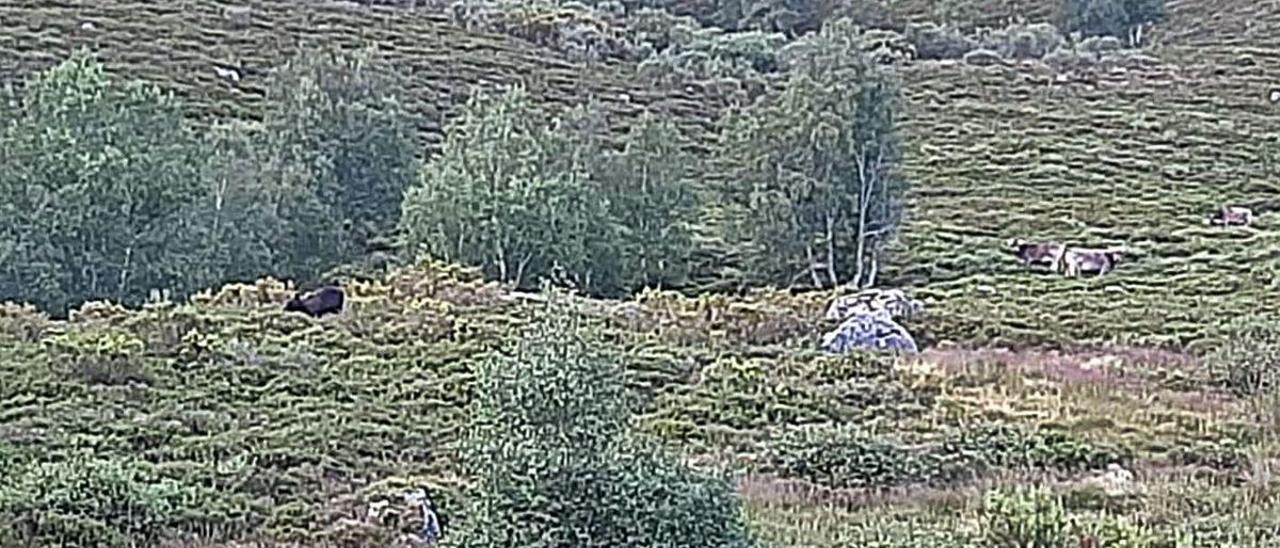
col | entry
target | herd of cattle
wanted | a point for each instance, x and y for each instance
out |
(1073, 261)
(870, 319)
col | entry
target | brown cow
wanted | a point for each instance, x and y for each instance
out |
(1076, 260)
(1232, 216)
(1031, 254)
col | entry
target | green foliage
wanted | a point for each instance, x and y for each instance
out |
(554, 464)
(339, 149)
(584, 31)
(101, 356)
(1025, 518)
(90, 502)
(99, 191)
(1247, 360)
(791, 17)
(814, 175)
(530, 200)
(849, 457)
(1118, 18)
(512, 194)
(106, 192)
(651, 198)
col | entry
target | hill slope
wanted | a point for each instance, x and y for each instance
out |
(232, 420)
(1132, 153)
(273, 426)
(179, 44)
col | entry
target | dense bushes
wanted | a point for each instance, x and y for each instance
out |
(1246, 362)
(531, 199)
(1119, 18)
(344, 151)
(89, 502)
(847, 457)
(555, 464)
(107, 192)
(530, 196)
(96, 186)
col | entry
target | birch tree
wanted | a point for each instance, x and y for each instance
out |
(338, 145)
(511, 193)
(816, 181)
(1124, 19)
(95, 178)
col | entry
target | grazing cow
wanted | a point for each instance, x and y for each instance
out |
(326, 300)
(1232, 216)
(1076, 260)
(1049, 253)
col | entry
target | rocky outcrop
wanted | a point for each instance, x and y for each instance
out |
(894, 301)
(870, 331)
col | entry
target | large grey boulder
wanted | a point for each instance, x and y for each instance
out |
(868, 301)
(869, 331)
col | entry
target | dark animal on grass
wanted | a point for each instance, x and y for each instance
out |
(326, 300)
(1232, 216)
(1078, 260)
(1047, 253)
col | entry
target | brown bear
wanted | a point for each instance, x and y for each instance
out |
(326, 300)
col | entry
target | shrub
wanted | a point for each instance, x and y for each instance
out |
(89, 502)
(554, 463)
(1247, 361)
(849, 457)
(1022, 41)
(983, 58)
(1121, 19)
(846, 457)
(1024, 518)
(1098, 44)
(933, 41)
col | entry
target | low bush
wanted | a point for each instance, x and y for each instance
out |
(90, 502)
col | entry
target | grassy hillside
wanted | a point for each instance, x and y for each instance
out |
(274, 427)
(179, 44)
(1123, 152)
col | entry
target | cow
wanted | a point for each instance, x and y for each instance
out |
(1076, 260)
(1231, 215)
(326, 300)
(1049, 253)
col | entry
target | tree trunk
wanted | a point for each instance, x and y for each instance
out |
(502, 264)
(124, 272)
(520, 268)
(813, 271)
(831, 250)
(864, 195)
